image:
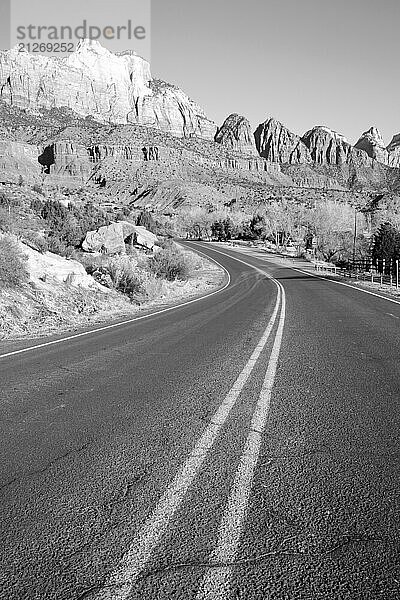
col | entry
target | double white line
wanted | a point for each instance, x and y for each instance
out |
(216, 580)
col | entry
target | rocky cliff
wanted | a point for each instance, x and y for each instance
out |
(99, 121)
(112, 88)
(237, 135)
(393, 150)
(278, 144)
(372, 143)
(326, 147)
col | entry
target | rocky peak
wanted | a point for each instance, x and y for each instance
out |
(92, 81)
(372, 143)
(236, 134)
(395, 143)
(278, 144)
(393, 151)
(327, 147)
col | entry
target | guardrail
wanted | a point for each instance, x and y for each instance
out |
(371, 274)
(326, 267)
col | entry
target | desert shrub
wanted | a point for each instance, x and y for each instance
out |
(68, 225)
(35, 241)
(57, 246)
(171, 263)
(166, 244)
(13, 272)
(38, 189)
(6, 220)
(145, 219)
(9, 202)
(88, 217)
(36, 205)
(89, 261)
(125, 277)
(123, 213)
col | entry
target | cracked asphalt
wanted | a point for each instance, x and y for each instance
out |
(95, 429)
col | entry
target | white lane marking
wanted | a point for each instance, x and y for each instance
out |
(247, 264)
(120, 324)
(216, 581)
(119, 584)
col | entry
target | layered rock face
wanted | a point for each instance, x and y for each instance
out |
(327, 147)
(236, 134)
(65, 159)
(19, 159)
(372, 143)
(112, 88)
(276, 143)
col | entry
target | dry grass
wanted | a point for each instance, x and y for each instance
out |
(48, 307)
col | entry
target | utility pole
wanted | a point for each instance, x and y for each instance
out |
(355, 237)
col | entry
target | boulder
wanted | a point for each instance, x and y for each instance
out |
(143, 237)
(112, 238)
(109, 239)
(47, 266)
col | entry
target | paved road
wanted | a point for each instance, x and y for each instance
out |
(245, 446)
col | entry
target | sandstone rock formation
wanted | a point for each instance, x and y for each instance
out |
(393, 150)
(19, 159)
(326, 147)
(236, 134)
(112, 88)
(277, 144)
(111, 238)
(48, 266)
(143, 237)
(372, 143)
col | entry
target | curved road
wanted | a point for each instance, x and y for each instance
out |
(243, 446)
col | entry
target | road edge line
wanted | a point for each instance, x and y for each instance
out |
(121, 323)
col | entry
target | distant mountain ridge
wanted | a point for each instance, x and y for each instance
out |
(100, 119)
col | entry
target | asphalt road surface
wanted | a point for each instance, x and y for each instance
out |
(243, 446)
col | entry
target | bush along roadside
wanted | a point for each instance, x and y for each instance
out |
(143, 277)
(13, 273)
(37, 300)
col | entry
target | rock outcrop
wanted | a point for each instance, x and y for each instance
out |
(65, 159)
(326, 147)
(393, 151)
(372, 143)
(112, 88)
(18, 160)
(112, 238)
(47, 266)
(237, 135)
(278, 144)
